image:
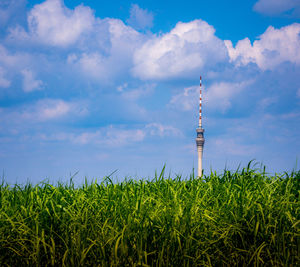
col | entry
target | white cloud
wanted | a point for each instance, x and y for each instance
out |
(276, 7)
(107, 48)
(117, 54)
(121, 88)
(274, 47)
(140, 18)
(19, 35)
(27, 115)
(186, 100)
(187, 47)
(217, 96)
(123, 38)
(3, 81)
(12, 64)
(233, 147)
(119, 137)
(4, 12)
(25, 121)
(114, 136)
(30, 84)
(52, 109)
(93, 65)
(10, 60)
(10, 9)
(52, 23)
(158, 129)
(137, 93)
(267, 101)
(47, 109)
(110, 136)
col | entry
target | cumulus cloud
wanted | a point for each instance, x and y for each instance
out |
(30, 84)
(220, 95)
(140, 18)
(187, 47)
(3, 81)
(104, 48)
(91, 64)
(107, 48)
(114, 58)
(122, 37)
(276, 7)
(52, 23)
(273, 47)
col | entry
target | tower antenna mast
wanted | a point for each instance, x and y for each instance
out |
(200, 134)
(200, 104)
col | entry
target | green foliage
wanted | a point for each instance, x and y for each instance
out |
(242, 218)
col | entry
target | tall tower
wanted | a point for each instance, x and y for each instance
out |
(200, 134)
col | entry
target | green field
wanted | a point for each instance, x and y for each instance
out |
(242, 218)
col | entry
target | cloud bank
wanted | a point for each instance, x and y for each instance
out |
(79, 86)
(140, 18)
(53, 24)
(186, 48)
(274, 47)
(277, 7)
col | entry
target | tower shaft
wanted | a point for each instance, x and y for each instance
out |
(200, 144)
(200, 154)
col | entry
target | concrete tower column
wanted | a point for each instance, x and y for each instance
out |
(200, 144)
(200, 154)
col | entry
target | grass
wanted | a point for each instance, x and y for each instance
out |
(242, 218)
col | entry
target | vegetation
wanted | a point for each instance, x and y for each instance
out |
(242, 218)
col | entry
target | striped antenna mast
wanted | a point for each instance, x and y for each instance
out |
(200, 134)
(200, 104)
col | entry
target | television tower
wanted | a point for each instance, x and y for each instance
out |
(200, 137)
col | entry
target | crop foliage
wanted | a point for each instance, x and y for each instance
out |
(242, 218)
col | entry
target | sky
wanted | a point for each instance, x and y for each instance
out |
(95, 87)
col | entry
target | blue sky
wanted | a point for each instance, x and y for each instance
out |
(95, 86)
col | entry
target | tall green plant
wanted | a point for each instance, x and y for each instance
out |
(237, 218)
